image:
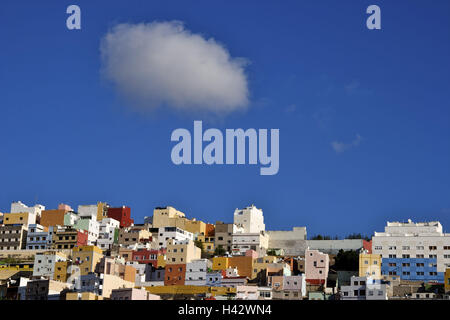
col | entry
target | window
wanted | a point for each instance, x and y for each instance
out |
(378, 248)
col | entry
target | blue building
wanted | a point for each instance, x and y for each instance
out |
(214, 279)
(414, 269)
(37, 238)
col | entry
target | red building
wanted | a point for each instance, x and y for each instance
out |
(123, 215)
(82, 238)
(146, 256)
(175, 274)
(367, 245)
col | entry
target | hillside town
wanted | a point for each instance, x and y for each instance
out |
(98, 252)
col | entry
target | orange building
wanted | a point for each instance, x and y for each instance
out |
(51, 218)
(244, 265)
(175, 274)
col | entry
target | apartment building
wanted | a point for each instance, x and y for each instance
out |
(250, 219)
(167, 217)
(147, 256)
(22, 214)
(413, 251)
(102, 284)
(86, 258)
(316, 267)
(13, 237)
(196, 271)
(108, 233)
(287, 287)
(131, 235)
(181, 252)
(224, 235)
(51, 218)
(38, 237)
(370, 265)
(91, 225)
(133, 294)
(175, 274)
(45, 262)
(172, 233)
(242, 242)
(364, 288)
(117, 267)
(44, 289)
(67, 237)
(122, 214)
(260, 264)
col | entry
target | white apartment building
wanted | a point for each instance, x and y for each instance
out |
(364, 288)
(241, 242)
(19, 207)
(196, 272)
(38, 238)
(88, 211)
(92, 226)
(251, 219)
(424, 241)
(44, 263)
(177, 234)
(107, 229)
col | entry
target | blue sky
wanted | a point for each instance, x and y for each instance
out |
(315, 72)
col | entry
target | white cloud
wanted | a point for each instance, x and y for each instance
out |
(340, 146)
(163, 64)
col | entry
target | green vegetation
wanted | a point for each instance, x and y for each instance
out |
(219, 251)
(346, 261)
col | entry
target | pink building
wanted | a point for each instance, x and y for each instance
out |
(64, 207)
(251, 253)
(133, 294)
(316, 267)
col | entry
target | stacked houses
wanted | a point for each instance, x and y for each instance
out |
(98, 252)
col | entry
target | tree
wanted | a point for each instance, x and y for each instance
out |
(320, 237)
(346, 261)
(219, 251)
(357, 236)
(199, 244)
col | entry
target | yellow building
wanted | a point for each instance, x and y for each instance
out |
(23, 218)
(181, 252)
(220, 263)
(260, 264)
(196, 227)
(102, 211)
(60, 273)
(183, 289)
(168, 217)
(82, 296)
(161, 260)
(244, 264)
(86, 258)
(447, 280)
(370, 265)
